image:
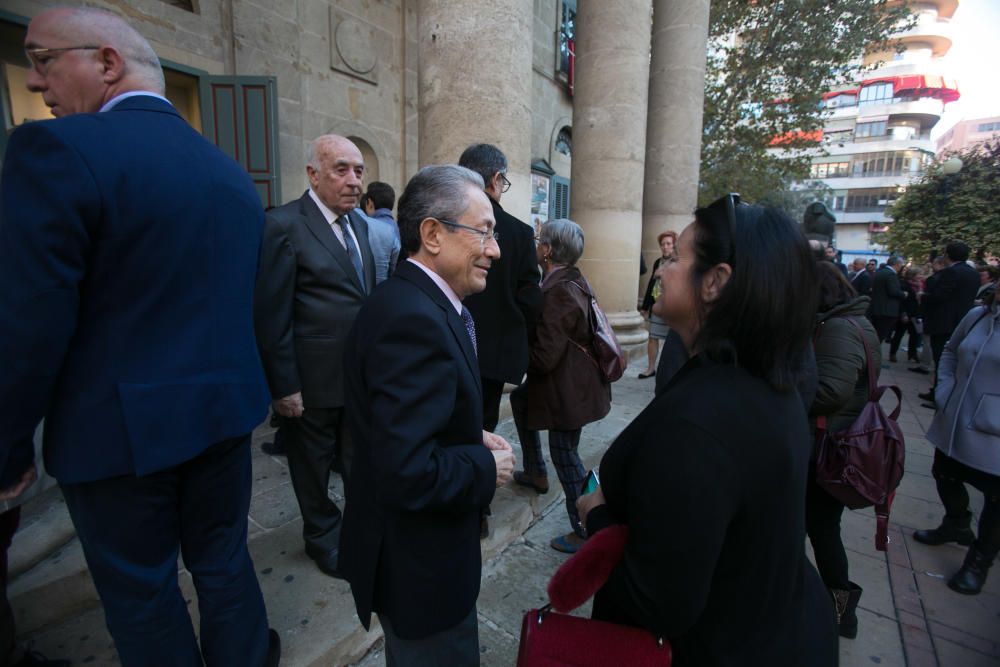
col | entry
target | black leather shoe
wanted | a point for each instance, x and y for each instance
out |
(326, 561)
(273, 448)
(927, 395)
(950, 530)
(273, 648)
(918, 369)
(970, 579)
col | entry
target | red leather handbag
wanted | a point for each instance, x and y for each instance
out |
(553, 639)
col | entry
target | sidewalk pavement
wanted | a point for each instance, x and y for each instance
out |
(907, 615)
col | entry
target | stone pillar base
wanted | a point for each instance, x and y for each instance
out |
(630, 330)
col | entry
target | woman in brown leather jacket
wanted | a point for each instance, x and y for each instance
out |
(564, 390)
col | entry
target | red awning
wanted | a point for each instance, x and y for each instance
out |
(815, 136)
(910, 85)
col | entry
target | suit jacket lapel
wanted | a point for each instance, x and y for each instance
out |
(455, 323)
(321, 229)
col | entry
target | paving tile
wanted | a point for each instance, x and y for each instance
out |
(977, 615)
(275, 507)
(955, 655)
(877, 643)
(957, 636)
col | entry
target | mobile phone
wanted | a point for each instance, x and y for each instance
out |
(591, 483)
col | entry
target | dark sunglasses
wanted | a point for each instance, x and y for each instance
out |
(726, 205)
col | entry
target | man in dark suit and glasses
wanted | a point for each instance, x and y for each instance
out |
(424, 467)
(128, 252)
(887, 297)
(316, 268)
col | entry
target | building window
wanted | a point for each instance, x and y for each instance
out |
(830, 170)
(567, 41)
(838, 136)
(873, 129)
(870, 201)
(988, 127)
(894, 163)
(564, 142)
(876, 93)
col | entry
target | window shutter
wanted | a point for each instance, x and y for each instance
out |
(559, 206)
(239, 114)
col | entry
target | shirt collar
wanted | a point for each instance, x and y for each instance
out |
(327, 212)
(442, 285)
(113, 102)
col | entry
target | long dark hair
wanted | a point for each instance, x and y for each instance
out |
(834, 288)
(763, 317)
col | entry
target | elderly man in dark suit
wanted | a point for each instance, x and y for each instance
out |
(949, 297)
(887, 297)
(128, 252)
(424, 467)
(316, 268)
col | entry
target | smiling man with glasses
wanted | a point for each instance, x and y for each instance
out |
(424, 467)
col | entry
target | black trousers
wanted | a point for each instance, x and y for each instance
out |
(312, 443)
(938, 341)
(823, 513)
(884, 326)
(951, 476)
(903, 328)
(457, 646)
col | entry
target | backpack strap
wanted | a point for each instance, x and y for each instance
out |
(882, 523)
(875, 392)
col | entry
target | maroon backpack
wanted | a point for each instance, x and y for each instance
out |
(863, 464)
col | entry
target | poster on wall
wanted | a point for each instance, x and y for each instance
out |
(539, 200)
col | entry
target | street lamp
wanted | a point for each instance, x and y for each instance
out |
(952, 165)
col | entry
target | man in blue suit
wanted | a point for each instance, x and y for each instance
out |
(423, 466)
(128, 252)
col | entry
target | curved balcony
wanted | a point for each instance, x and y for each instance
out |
(930, 31)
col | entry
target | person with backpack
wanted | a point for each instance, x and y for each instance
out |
(841, 394)
(565, 389)
(966, 434)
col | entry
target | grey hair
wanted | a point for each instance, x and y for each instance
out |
(106, 28)
(437, 191)
(565, 240)
(485, 159)
(895, 260)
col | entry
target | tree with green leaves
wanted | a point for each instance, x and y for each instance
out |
(769, 63)
(941, 207)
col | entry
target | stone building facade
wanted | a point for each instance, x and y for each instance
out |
(413, 82)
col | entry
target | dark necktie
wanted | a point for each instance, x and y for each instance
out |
(352, 250)
(470, 327)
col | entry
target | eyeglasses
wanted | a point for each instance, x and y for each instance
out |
(506, 184)
(40, 57)
(484, 236)
(728, 203)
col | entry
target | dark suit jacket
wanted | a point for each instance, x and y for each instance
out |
(887, 295)
(950, 297)
(863, 283)
(509, 305)
(308, 295)
(421, 474)
(128, 252)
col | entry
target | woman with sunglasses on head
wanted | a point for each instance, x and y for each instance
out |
(565, 390)
(658, 330)
(710, 478)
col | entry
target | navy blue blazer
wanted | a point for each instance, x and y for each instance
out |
(410, 542)
(128, 254)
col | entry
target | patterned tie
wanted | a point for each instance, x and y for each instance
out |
(470, 328)
(352, 250)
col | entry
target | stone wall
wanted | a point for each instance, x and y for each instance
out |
(348, 67)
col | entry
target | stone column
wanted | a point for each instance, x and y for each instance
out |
(673, 133)
(609, 149)
(474, 81)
